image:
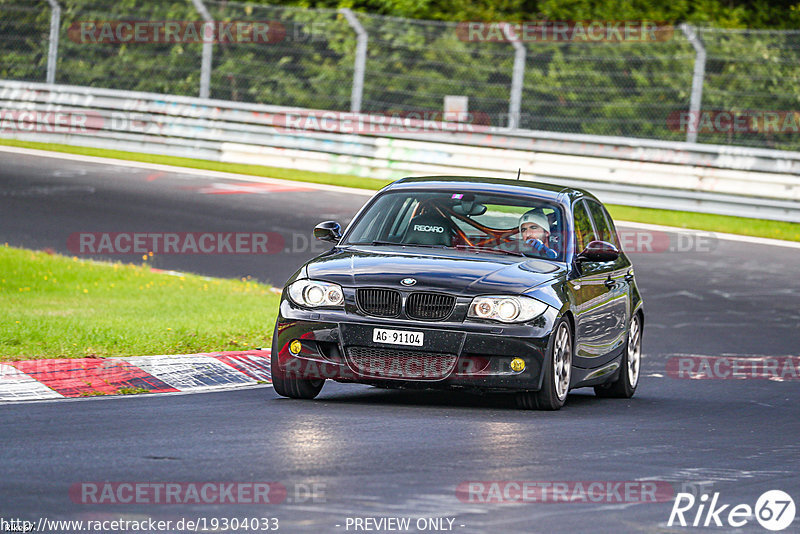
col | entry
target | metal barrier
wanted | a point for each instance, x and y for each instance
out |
(747, 182)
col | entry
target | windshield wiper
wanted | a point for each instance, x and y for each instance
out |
(395, 243)
(490, 249)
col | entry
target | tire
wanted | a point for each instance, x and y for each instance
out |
(295, 388)
(557, 370)
(625, 385)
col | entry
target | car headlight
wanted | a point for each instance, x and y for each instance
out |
(316, 294)
(506, 309)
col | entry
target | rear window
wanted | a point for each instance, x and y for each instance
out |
(602, 224)
(584, 232)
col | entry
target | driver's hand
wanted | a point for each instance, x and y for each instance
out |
(541, 248)
(535, 243)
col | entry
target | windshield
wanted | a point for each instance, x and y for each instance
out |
(476, 222)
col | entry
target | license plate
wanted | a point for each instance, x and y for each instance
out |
(397, 337)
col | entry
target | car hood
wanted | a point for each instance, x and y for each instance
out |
(452, 271)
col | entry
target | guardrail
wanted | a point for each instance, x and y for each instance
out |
(748, 182)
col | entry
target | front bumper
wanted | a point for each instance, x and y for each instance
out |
(338, 345)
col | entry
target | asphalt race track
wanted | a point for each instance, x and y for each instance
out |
(374, 453)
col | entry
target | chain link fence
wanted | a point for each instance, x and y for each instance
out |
(24, 40)
(307, 62)
(686, 84)
(756, 73)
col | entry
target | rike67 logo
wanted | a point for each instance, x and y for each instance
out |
(774, 510)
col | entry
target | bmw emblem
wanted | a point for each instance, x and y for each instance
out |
(408, 281)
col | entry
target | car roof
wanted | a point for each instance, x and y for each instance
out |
(479, 184)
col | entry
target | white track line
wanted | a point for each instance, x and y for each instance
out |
(718, 235)
(183, 170)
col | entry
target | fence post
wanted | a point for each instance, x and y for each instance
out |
(517, 78)
(361, 59)
(208, 35)
(698, 77)
(52, 52)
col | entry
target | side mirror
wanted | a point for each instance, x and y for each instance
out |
(598, 251)
(328, 231)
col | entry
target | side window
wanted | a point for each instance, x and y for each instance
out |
(401, 218)
(385, 215)
(584, 233)
(604, 230)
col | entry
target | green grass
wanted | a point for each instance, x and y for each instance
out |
(132, 391)
(681, 219)
(53, 306)
(707, 221)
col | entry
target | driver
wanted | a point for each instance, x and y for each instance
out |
(535, 231)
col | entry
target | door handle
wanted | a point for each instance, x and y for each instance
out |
(629, 276)
(610, 283)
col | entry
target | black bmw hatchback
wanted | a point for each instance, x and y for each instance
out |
(470, 283)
